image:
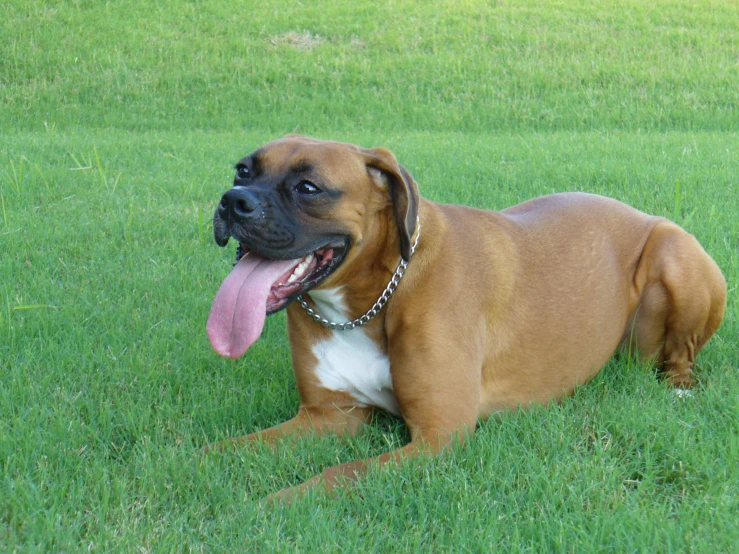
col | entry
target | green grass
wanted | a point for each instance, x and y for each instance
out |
(120, 123)
(471, 66)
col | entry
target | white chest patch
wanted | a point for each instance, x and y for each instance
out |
(350, 361)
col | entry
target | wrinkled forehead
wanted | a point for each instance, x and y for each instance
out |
(298, 154)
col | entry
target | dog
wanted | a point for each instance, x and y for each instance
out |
(443, 314)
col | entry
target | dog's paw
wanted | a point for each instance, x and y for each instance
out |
(287, 496)
(683, 393)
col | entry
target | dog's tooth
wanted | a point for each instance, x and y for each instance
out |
(300, 269)
(304, 264)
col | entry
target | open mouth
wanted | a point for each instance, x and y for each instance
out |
(304, 274)
(259, 286)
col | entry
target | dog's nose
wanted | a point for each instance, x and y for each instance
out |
(238, 203)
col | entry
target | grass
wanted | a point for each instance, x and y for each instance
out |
(471, 66)
(120, 123)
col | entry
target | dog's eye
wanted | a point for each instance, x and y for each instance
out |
(242, 172)
(306, 188)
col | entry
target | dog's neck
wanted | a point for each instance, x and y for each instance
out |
(333, 315)
(330, 303)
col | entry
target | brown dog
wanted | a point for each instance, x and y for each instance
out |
(494, 311)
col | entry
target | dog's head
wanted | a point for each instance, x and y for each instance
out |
(300, 208)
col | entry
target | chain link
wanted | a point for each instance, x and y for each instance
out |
(376, 307)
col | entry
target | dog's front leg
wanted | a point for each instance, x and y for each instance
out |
(439, 406)
(424, 443)
(319, 420)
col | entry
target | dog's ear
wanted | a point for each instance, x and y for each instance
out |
(383, 167)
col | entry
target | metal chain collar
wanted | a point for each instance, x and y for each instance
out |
(378, 305)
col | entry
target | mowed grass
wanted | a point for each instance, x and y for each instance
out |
(120, 126)
(467, 65)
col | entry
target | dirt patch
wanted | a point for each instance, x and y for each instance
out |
(304, 40)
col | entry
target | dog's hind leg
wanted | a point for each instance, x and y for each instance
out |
(681, 302)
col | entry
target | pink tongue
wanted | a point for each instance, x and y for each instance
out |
(240, 307)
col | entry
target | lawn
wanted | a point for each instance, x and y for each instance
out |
(120, 123)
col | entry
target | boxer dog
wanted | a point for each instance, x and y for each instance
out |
(443, 314)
